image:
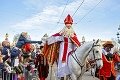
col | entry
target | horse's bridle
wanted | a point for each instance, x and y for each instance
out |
(77, 60)
(94, 53)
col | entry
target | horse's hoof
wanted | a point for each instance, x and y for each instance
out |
(62, 78)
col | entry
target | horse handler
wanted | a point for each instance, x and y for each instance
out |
(42, 65)
(107, 72)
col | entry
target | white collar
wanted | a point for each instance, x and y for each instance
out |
(104, 51)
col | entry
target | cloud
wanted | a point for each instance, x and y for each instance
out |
(38, 21)
(47, 19)
(50, 14)
(41, 4)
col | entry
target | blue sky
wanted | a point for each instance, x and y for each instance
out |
(38, 17)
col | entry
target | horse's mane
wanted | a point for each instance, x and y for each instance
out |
(86, 43)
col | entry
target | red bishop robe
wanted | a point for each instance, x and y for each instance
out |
(74, 40)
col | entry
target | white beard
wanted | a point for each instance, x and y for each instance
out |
(67, 32)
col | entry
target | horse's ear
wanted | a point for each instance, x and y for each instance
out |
(97, 41)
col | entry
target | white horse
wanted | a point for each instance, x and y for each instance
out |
(77, 59)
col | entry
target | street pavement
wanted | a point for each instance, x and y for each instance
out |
(52, 75)
(86, 76)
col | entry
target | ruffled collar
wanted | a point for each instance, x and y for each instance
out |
(104, 51)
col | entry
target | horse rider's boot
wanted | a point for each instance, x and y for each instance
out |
(62, 78)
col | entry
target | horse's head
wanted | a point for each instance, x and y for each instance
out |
(96, 54)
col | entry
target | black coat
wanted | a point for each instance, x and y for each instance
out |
(43, 69)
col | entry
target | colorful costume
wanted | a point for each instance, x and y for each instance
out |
(43, 67)
(59, 43)
(107, 72)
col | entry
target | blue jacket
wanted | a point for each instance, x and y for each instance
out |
(4, 51)
(14, 52)
(22, 40)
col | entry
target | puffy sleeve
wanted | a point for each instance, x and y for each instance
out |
(116, 57)
(54, 38)
(75, 40)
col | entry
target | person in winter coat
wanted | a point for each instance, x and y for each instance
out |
(6, 50)
(23, 39)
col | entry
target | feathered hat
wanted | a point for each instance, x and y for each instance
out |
(108, 43)
(68, 20)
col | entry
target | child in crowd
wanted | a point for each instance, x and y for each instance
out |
(1, 65)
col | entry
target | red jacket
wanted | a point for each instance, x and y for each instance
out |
(108, 66)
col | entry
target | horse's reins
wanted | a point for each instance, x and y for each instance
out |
(77, 60)
(94, 55)
(94, 61)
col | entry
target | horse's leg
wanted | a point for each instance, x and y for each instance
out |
(80, 78)
(62, 78)
(68, 77)
(73, 77)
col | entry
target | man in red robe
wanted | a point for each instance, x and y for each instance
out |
(68, 42)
